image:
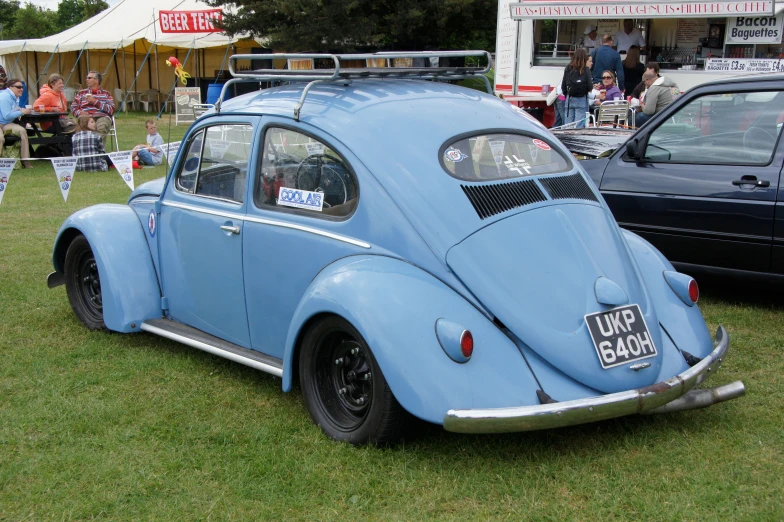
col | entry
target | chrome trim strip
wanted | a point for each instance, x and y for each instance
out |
(580, 411)
(278, 372)
(271, 222)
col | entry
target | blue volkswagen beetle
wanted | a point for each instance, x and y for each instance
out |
(401, 247)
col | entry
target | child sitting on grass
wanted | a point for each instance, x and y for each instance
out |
(150, 153)
(87, 142)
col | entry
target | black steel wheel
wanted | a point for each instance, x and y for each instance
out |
(344, 389)
(83, 284)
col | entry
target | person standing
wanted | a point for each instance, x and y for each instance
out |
(632, 69)
(605, 58)
(52, 98)
(87, 142)
(150, 153)
(590, 39)
(10, 111)
(576, 84)
(628, 36)
(96, 102)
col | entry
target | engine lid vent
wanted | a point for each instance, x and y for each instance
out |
(489, 200)
(568, 187)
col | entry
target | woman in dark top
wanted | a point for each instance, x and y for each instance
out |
(632, 70)
(576, 85)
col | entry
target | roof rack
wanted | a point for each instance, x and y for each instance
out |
(344, 72)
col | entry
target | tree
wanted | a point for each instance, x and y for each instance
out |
(74, 12)
(32, 21)
(8, 11)
(348, 25)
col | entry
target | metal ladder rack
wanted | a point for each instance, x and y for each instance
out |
(341, 72)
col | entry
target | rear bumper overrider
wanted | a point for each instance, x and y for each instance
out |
(671, 395)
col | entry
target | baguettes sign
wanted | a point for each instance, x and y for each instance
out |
(189, 21)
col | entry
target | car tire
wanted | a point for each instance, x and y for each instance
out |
(344, 390)
(83, 284)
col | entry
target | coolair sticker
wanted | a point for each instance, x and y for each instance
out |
(151, 223)
(541, 144)
(454, 155)
(515, 164)
(289, 197)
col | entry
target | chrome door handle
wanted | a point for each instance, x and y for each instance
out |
(230, 229)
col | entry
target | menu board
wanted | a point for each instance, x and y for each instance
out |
(747, 65)
(506, 45)
(690, 30)
(184, 100)
(607, 27)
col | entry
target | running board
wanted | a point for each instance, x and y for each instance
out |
(209, 343)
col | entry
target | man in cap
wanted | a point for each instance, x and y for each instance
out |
(590, 39)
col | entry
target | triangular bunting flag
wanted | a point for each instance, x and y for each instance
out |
(123, 163)
(64, 172)
(170, 149)
(6, 166)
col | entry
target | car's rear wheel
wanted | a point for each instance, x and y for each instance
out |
(83, 284)
(344, 389)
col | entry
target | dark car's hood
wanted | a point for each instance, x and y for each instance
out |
(538, 272)
(593, 143)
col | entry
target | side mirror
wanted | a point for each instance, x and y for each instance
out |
(633, 149)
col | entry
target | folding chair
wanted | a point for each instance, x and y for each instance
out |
(113, 132)
(613, 113)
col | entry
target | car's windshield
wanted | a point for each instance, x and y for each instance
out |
(489, 157)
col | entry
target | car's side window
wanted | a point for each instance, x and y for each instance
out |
(216, 162)
(300, 173)
(720, 129)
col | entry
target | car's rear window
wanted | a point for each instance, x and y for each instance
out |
(489, 157)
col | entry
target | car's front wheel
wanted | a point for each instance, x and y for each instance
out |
(83, 284)
(344, 389)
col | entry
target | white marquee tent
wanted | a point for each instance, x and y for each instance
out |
(127, 44)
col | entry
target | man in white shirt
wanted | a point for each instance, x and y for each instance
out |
(628, 36)
(590, 39)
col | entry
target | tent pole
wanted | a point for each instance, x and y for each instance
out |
(11, 72)
(157, 76)
(35, 63)
(46, 67)
(78, 60)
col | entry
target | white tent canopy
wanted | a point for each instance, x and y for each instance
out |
(121, 25)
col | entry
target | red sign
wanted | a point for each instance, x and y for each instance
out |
(189, 21)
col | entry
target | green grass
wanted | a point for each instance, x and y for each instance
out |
(134, 427)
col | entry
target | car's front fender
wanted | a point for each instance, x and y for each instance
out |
(395, 306)
(129, 284)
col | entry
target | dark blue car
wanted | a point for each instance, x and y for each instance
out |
(701, 181)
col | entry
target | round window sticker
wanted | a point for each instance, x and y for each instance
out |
(192, 164)
(541, 144)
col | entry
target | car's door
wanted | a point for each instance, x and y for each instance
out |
(704, 191)
(300, 219)
(201, 227)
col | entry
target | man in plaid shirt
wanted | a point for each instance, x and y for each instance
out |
(96, 102)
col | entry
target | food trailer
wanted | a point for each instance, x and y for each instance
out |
(694, 41)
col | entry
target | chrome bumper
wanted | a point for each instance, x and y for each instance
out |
(670, 395)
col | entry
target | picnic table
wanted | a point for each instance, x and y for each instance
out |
(53, 136)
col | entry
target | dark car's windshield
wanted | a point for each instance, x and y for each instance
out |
(489, 157)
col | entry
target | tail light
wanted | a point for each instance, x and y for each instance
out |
(455, 339)
(685, 287)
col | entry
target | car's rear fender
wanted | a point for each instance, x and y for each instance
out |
(129, 284)
(684, 324)
(395, 306)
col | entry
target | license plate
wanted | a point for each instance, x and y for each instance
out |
(620, 336)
